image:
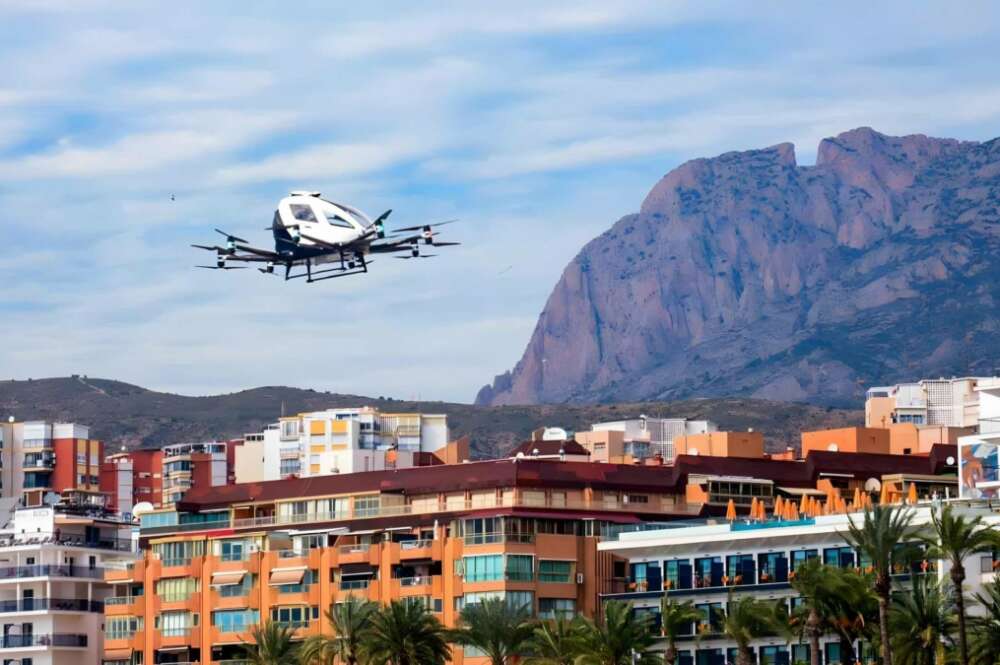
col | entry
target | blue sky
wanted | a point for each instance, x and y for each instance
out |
(538, 125)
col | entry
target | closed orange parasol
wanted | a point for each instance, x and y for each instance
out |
(731, 511)
(911, 494)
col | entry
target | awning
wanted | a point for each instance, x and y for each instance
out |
(799, 491)
(281, 576)
(228, 578)
(357, 569)
(117, 654)
(174, 649)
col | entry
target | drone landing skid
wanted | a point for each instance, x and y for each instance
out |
(311, 275)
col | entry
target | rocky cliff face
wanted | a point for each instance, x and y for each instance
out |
(746, 274)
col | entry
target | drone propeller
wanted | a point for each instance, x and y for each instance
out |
(222, 267)
(230, 238)
(445, 244)
(211, 248)
(419, 256)
(426, 228)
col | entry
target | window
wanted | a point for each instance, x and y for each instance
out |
(556, 571)
(677, 574)
(772, 567)
(841, 557)
(514, 599)
(772, 655)
(237, 590)
(712, 618)
(310, 577)
(303, 213)
(289, 467)
(366, 506)
(521, 599)
(292, 616)
(486, 568)
(122, 627)
(556, 608)
(799, 557)
(174, 589)
(234, 621)
(234, 550)
(740, 569)
(638, 498)
(176, 624)
(337, 220)
(708, 572)
(520, 568)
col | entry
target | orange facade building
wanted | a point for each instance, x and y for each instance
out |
(522, 529)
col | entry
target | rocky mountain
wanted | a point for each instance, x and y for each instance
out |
(747, 274)
(126, 415)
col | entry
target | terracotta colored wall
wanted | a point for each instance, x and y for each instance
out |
(64, 474)
(847, 439)
(878, 411)
(722, 444)
(904, 437)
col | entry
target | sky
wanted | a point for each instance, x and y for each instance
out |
(129, 130)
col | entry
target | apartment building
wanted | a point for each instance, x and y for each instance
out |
(949, 402)
(979, 463)
(39, 458)
(640, 438)
(160, 476)
(714, 562)
(525, 529)
(53, 560)
(334, 441)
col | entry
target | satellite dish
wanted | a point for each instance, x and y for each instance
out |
(142, 508)
(693, 451)
(833, 447)
(10, 419)
(873, 485)
(950, 461)
(50, 499)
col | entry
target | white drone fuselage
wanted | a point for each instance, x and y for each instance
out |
(315, 222)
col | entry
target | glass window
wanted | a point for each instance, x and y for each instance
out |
(708, 572)
(234, 621)
(556, 608)
(303, 213)
(799, 557)
(841, 557)
(237, 590)
(176, 624)
(712, 618)
(772, 567)
(800, 654)
(485, 568)
(520, 567)
(336, 220)
(174, 589)
(555, 571)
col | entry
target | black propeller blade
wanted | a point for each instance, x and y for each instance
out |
(230, 237)
(211, 248)
(446, 244)
(422, 227)
(222, 267)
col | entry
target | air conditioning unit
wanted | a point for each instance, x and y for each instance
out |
(579, 578)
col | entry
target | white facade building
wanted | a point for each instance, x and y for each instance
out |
(948, 402)
(52, 588)
(709, 564)
(649, 437)
(339, 441)
(979, 454)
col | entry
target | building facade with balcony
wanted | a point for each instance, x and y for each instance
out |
(979, 454)
(640, 438)
(53, 561)
(715, 563)
(39, 458)
(351, 440)
(523, 529)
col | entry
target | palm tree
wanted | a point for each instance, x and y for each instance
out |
(619, 638)
(404, 633)
(675, 618)
(558, 642)
(818, 586)
(749, 618)
(348, 622)
(270, 643)
(495, 627)
(921, 620)
(854, 610)
(885, 527)
(954, 538)
(984, 630)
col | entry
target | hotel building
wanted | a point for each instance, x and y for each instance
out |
(716, 562)
(321, 443)
(53, 560)
(40, 458)
(525, 529)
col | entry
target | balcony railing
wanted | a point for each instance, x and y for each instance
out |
(48, 640)
(51, 604)
(351, 585)
(417, 580)
(414, 544)
(122, 600)
(679, 508)
(357, 548)
(989, 425)
(70, 540)
(175, 632)
(51, 570)
(489, 538)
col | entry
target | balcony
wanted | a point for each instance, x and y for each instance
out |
(51, 605)
(70, 540)
(50, 570)
(72, 640)
(491, 538)
(989, 427)
(356, 548)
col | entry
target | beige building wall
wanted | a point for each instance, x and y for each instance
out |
(721, 444)
(605, 446)
(878, 411)
(248, 462)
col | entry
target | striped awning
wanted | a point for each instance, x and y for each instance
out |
(117, 654)
(227, 578)
(281, 576)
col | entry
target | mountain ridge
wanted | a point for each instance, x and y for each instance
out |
(748, 275)
(126, 415)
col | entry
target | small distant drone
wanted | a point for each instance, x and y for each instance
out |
(324, 239)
